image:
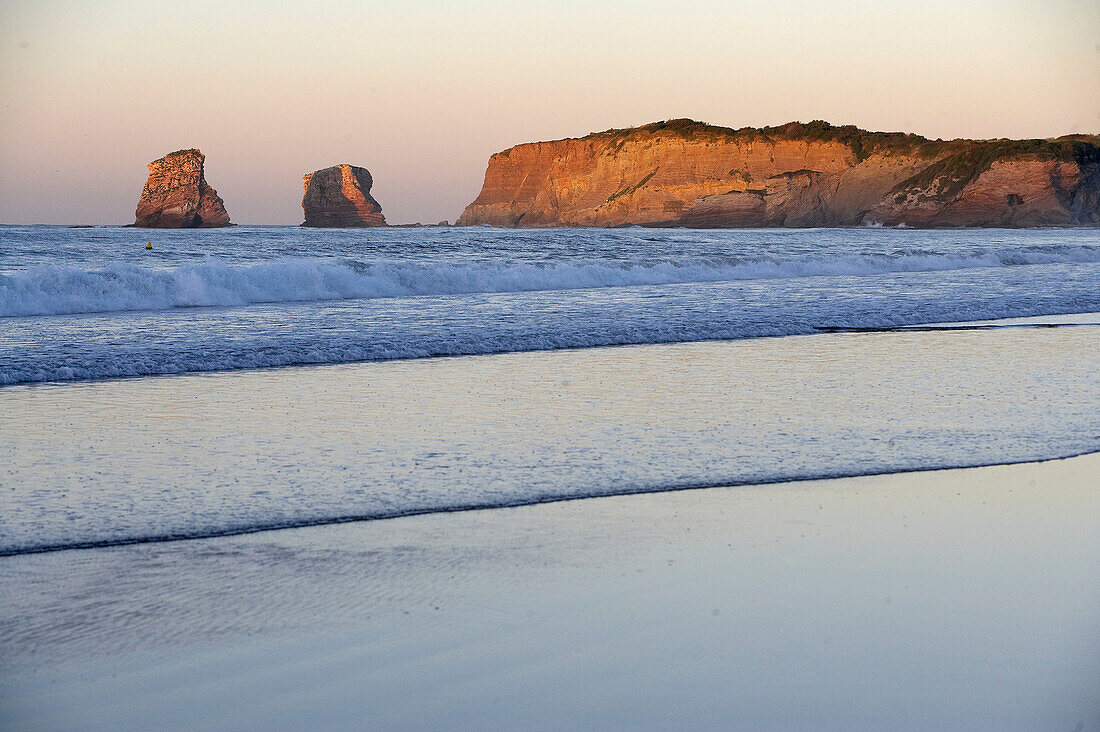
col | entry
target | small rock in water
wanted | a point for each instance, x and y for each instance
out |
(340, 197)
(177, 196)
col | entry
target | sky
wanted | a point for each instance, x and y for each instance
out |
(422, 93)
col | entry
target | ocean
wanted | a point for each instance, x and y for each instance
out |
(94, 303)
(278, 477)
(819, 366)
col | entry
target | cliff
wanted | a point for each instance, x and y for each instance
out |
(177, 196)
(340, 196)
(685, 173)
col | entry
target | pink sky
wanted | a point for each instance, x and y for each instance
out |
(421, 93)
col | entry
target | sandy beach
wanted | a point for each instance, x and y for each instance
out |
(959, 599)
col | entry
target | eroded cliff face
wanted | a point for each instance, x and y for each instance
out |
(177, 196)
(685, 173)
(340, 197)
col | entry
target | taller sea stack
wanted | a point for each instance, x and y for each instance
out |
(340, 196)
(686, 173)
(176, 195)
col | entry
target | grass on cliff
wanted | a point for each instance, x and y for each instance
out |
(631, 189)
(956, 171)
(1085, 149)
(862, 142)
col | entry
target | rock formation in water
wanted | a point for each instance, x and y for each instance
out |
(177, 196)
(340, 196)
(686, 173)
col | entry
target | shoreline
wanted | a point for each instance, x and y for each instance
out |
(224, 454)
(823, 603)
(339, 520)
(944, 597)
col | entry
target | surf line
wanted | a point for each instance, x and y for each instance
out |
(518, 503)
(948, 326)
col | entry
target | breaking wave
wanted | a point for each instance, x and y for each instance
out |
(61, 290)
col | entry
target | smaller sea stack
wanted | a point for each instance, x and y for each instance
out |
(340, 197)
(177, 196)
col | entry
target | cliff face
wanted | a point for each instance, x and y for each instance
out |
(340, 196)
(176, 195)
(685, 173)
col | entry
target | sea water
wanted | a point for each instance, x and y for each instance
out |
(94, 303)
(224, 446)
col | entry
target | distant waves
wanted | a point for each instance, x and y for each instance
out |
(54, 289)
(111, 345)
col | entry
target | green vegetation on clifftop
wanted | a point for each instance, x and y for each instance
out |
(956, 171)
(862, 142)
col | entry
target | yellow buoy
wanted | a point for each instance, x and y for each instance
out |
(149, 245)
(368, 238)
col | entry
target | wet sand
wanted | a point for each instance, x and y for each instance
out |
(957, 599)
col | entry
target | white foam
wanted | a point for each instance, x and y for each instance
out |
(55, 289)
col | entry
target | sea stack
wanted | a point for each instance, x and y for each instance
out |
(687, 173)
(340, 197)
(177, 196)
